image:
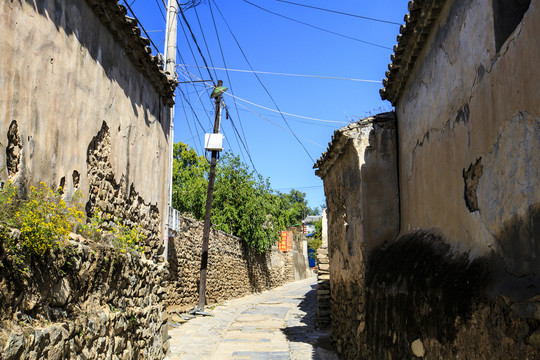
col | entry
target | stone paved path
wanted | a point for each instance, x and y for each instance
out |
(278, 324)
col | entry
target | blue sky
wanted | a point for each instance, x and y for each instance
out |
(274, 44)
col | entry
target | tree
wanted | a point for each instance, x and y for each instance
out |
(243, 204)
(315, 241)
(294, 207)
(190, 182)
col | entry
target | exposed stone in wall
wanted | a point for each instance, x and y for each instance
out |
(471, 176)
(89, 303)
(76, 177)
(234, 269)
(114, 199)
(82, 68)
(13, 150)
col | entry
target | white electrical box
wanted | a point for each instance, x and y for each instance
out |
(213, 142)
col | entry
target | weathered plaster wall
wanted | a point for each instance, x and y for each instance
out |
(469, 138)
(92, 302)
(360, 182)
(83, 107)
(234, 269)
(62, 76)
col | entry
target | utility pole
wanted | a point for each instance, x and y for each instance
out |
(170, 68)
(206, 230)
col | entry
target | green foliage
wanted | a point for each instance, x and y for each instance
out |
(123, 238)
(243, 203)
(44, 221)
(315, 241)
(190, 181)
(294, 207)
(126, 238)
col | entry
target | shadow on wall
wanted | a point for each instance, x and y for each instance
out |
(519, 243)
(418, 288)
(94, 35)
(257, 265)
(172, 258)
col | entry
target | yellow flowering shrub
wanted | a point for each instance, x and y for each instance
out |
(44, 219)
(127, 238)
(124, 238)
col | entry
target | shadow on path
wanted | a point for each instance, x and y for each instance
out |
(302, 328)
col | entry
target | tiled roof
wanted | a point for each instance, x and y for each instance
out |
(410, 42)
(341, 137)
(126, 32)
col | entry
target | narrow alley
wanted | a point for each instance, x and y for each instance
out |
(278, 324)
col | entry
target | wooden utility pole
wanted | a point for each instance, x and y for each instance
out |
(206, 229)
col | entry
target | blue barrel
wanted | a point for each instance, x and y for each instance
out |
(311, 256)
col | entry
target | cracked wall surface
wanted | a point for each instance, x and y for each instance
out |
(468, 100)
(62, 74)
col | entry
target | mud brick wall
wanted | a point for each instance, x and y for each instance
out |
(234, 269)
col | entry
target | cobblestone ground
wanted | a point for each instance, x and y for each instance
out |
(278, 324)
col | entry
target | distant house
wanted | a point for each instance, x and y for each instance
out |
(308, 224)
(434, 210)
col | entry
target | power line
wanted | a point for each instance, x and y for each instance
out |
(285, 113)
(193, 55)
(277, 111)
(340, 12)
(161, 11)
(289, 74)
(194, 113)
(316, 27)
(244, 143)
(260, 81)
(289, 129)
(228, 116)
(204, 38)
(142, 27)
(195, 41)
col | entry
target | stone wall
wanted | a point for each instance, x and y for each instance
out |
(91, 302)
(66, 74)
(234, 269)
(300, 255)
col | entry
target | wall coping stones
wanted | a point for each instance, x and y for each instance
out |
(340, 139)
(410, 42)
(125, 31)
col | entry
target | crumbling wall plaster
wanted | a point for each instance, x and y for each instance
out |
(62, 74)
(456, 110)
(359, 173)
